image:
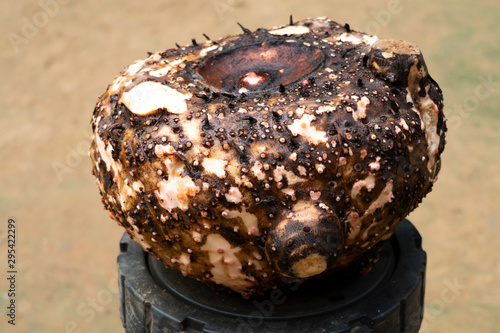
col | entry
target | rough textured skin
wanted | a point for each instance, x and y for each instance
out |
(269, 156)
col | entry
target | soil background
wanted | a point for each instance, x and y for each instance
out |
(57, 57)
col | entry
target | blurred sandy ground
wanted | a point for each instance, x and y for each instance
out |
(53, 72)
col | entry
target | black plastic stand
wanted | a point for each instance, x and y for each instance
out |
(387, 299)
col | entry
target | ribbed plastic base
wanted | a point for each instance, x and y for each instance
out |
(387, 299)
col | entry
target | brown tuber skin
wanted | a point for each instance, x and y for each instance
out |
(271, 156)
